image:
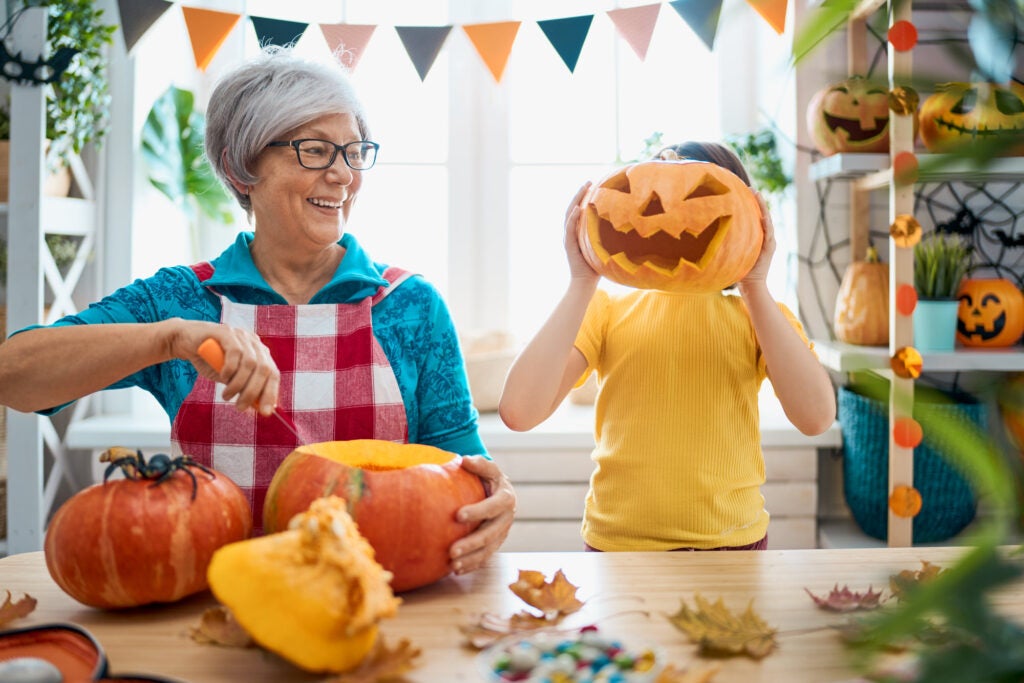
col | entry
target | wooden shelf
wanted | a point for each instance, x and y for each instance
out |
(850, 357)
(844, 533)
(874, 168)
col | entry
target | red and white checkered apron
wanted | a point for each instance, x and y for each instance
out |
(336, 384)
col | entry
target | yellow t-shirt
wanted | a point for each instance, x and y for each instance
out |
(678, 456)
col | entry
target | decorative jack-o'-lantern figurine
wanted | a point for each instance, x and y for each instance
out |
(862, 305)
(677, 226)
(850, 116)
(991, 312)
(959, 114)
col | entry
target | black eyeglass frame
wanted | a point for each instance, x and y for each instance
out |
(294, 144)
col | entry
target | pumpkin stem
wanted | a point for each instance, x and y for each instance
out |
(871, 255)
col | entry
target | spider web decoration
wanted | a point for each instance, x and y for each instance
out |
(17, 69)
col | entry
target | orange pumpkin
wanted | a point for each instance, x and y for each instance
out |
(958, 114)
(140, 540)
(862, 305)
(851, 115)
(403, 498)
(1010, 398)
(991, 312)
(672, 225)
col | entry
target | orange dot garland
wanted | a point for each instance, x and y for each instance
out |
(904, 168)
(905, 501)
(903, 36)
(907, 363)
(906, 299)
(905, 231)
(907, 432)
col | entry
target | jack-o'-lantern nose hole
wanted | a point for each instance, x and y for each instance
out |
(708, 187)
(653, 206)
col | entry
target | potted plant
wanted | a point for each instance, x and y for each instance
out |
(941, 262)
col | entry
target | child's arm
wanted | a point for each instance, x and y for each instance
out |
(550, 364)
(801, 383)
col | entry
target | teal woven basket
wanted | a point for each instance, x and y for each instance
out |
(949, 504)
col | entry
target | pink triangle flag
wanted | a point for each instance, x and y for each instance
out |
(635, 25)
(347, 41)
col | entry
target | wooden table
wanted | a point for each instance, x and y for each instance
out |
(619, 587)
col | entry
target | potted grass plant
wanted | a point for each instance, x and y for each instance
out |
(941, 262)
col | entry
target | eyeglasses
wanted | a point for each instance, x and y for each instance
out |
(317, 155)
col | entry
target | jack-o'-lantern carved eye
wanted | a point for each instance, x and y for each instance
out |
(673, 225)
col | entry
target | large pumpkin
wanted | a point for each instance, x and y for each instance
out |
(991, 312)
(851, 115)
(135, 541)
(862, 305)
(312, 593)
(403, 497)
(680, 226)
(959, 114)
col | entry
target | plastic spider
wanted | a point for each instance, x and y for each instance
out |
(160, 467)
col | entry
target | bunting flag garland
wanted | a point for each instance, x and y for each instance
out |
(701, 16)
(493, 42)
(208, 29)
(277, 31)
(636, 25)
(348, 42)
(567, 36)
(773, 11)
(137, 16)
(423, 44)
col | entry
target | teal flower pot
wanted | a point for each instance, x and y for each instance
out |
(935, 325)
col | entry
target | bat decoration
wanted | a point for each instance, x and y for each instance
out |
(963, 223)
(1009, 240)
(39, 72)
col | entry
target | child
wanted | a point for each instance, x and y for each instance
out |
(678, 456)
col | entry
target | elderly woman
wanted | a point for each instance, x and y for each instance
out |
(344, 346)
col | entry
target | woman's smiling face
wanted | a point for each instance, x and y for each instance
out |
(303, 204)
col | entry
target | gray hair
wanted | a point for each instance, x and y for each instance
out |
(265, 98)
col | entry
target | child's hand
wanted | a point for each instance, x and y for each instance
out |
(759, 272)
(579, 269)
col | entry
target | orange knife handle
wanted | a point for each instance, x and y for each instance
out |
(212, 352)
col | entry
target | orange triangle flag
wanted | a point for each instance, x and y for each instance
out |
(208, 29)
(773, 11)
(348, 41)
(635, 25)
(494, 43)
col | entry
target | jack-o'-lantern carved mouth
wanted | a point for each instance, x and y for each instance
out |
(983, 330)
(660, 250)
(974, 131)
(852, 128)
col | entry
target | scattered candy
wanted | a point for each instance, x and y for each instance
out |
(587, 656)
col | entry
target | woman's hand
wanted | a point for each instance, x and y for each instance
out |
(249, 374)
(495, 514)
(758, 274)
(579, 269)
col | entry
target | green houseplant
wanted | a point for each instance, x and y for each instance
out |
(941, 261)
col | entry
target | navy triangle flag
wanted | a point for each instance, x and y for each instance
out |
(702, 16)
(423, 44)
(137, 16)
(567, 36)
(277, 31)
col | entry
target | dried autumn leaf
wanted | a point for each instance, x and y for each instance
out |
(556, 597)
(718, 631)
(382, 664)
(845, 600)
(907, 579)
(485, 629)
(218, 627)
(11, 610)
(702, 674)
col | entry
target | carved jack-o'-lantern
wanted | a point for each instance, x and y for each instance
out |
(850, 116)
(672, 225)
(959, 114)
(991, 312)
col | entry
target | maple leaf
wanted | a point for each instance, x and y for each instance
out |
(11, 610)
(718, 631)
(485, 629)
(845, 600)
(702, 674)
(382, 664)
(906, 580)
(217, 626)
(555, 598)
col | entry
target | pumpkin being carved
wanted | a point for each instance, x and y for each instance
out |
(851, 115)
(862, 305)
(403, 497)
(959, 114)
(672, 225)
(146, 538)
(991, 312)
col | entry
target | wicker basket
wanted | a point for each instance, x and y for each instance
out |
(949, 504)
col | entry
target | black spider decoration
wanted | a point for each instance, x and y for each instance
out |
(159, 468)
(41, 71)
(963, 223)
